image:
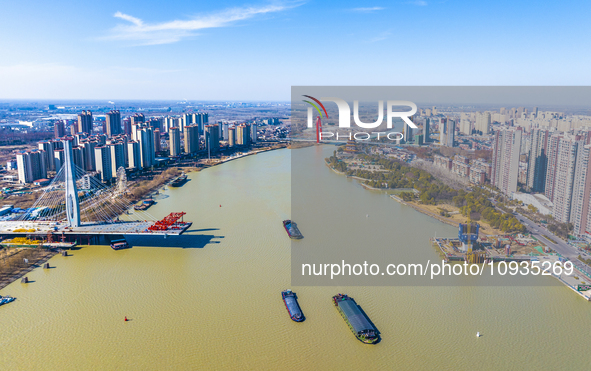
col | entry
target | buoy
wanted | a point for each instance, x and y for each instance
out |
(220, 205)
(126, 319)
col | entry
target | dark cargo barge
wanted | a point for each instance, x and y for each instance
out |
(119, 244)
(290, 300)
(144, 205)
(179, 181)
(292, 229)
(357, 321)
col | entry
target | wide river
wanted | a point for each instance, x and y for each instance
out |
(211, 299)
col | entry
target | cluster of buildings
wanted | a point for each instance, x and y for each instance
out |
(452, 124)
(550, 162)
(476, 171)
(132, 143)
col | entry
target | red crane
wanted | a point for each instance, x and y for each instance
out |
(168, 222)
(318, 129)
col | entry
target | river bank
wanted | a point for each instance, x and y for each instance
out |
(431, 210)
(13, 265)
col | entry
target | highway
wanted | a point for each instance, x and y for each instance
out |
(560, 246)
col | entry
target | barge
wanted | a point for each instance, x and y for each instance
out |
(119, 244)
(290, 300)
(179, 181)
(292, 229)
(144, 205)
(356, 319)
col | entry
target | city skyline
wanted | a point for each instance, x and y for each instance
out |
(257, 51)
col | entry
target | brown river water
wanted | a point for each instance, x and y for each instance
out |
(211, 299)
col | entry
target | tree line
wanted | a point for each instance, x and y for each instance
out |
(431, 191)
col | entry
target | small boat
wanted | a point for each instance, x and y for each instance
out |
(290, 300)
(6, 299)
(292, 229)
(478, 334)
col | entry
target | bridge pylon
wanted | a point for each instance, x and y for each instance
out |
(72, 203)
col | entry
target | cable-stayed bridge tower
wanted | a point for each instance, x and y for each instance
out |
(72, 204)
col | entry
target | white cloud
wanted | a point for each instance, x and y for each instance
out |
(418, 2)
(368, 10)
(173, 31)
(380, 37)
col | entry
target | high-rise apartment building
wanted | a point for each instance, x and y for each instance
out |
(426, 130)
(580, 209)
(137, 118)
(482, 123)
(191, 138)
(538, 161)
(253, 132)
(59, 129)
(506, 150)
(231, 136)
(553, 142)
(117, 157)
(465, 126)
(133, 155)
(212, 138)
(47, 147)
(78, 155)
(89, 153)
(31, 166)
(450, 134)
(243, 135)
(201, 119)
(102, 155)
(59, 156)
(408, 134)
(85, 122)
(174, 145)
(157, 143)
(127, 126)
(113, 123)
(146, 139)
(564, 165)
(442, 131)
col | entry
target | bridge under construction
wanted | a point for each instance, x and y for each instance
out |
(77, 204)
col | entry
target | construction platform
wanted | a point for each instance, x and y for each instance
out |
(41, 228)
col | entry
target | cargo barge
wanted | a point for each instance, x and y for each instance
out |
(144, 205)
(292, 229)
(356, 319)
(179, 181)
(290, 300)
(119, 244)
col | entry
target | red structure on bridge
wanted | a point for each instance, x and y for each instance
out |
(318, 129)
(169, 222)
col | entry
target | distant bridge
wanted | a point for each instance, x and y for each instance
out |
(77, 204)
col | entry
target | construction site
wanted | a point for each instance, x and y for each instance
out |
(472, 248)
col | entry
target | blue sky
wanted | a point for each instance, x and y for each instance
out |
(234, 50)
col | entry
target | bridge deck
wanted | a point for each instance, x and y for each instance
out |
(42, 228)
